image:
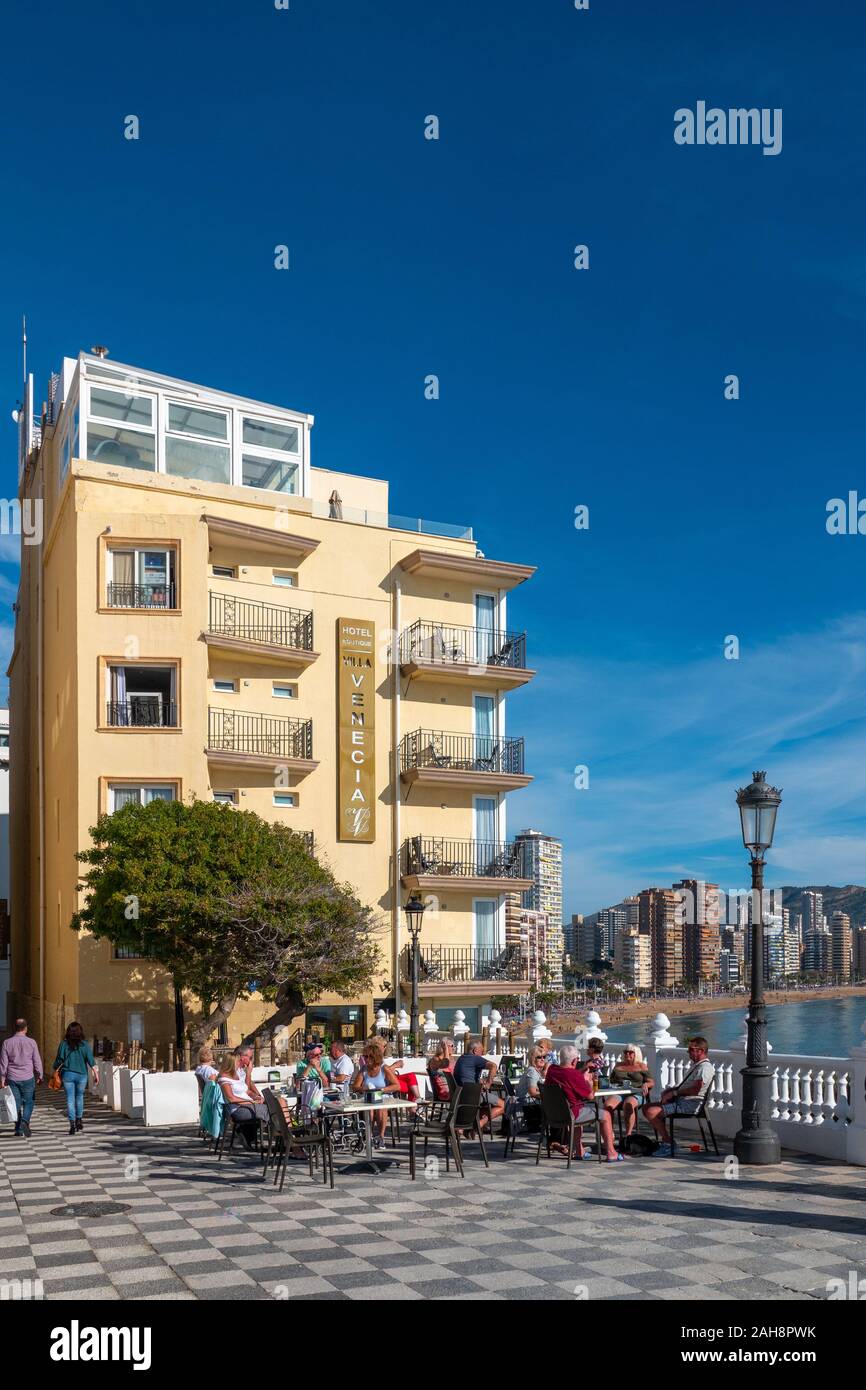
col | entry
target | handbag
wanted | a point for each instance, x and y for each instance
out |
(54, 1081)
(8, 1106)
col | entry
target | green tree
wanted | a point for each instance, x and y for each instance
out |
(228, 903)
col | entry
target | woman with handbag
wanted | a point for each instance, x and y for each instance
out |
(71, 1064)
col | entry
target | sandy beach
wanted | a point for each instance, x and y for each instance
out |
(617, 1015)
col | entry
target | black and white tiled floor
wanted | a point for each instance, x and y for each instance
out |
(198, 1229)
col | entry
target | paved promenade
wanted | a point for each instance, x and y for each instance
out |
(198, 1229)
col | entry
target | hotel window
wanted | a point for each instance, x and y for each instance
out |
(128, 953)
(284, 579)
(142, 697)
(140, 578)
(224, 571)
(285, 799)
(121, 429)
(226, 687)
(270, 454)
(284, 692)
(227, 798)
(124, 794)
(196, 443)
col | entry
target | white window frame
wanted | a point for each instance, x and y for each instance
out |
(167, 433)
(281, 805)
(169, 551)
(220, 681)
(224, 798)
(277, 687)
(139, 787)
(233, 574)
(151, 431)
(283, 579)
(239, 448)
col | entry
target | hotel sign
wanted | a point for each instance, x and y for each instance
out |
(356, 726)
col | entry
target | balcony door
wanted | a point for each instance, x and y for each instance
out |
(486, 931)
(484, 718)
(485, 626)
(485, 809)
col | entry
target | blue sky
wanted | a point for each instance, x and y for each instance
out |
(558, 387)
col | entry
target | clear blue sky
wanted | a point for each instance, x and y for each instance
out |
(558, 387)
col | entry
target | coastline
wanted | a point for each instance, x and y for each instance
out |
(618, 1015)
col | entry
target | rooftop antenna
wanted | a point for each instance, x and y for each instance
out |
(99, 351)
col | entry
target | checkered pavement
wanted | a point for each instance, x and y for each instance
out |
(196, 1228)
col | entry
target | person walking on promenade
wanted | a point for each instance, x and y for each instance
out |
(72, 1061)
(21, 1066)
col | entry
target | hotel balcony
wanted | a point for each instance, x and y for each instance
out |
(470, 865)
(433, 758)
(141, 712)
(237, 738)
(260, 631)
(468, 971)
(484, 658)
(142, 596)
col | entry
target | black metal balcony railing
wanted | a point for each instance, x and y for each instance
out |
(459, 964)
(461, 752)
(464, 646)
(141, 596)
(260, 622)
(238, 731)
(142, 713)
(424, 854)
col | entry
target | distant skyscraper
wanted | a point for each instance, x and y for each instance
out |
(701, 942)
(542, 861)
(659, 913)
(813, 911)
(730, 969)
(818, 952)
(840, 945)
(859, 938)
(569, 934)
(611, 920)
(633, 958)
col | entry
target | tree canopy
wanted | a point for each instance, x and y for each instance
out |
(228, 903)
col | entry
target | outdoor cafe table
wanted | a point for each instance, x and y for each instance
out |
(359, 1107)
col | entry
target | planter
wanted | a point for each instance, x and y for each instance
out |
(169, 1098)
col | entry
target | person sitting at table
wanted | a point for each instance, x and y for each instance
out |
(537, 1062)
(342, 1068)
(467, 1072)
(313, 1065)
(594, 1064)
(206, 1071)
(630, 1070)
(373, 1075)
(575, 1082)
(685, 1099)
(443, 1059)
(244, 1099)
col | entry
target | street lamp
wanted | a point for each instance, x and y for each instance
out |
(757, 1141)
(414, 910)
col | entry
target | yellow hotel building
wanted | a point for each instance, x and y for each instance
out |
(194, 598)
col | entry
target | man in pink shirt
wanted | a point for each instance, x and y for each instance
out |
(21, 1067)
(578, 1089)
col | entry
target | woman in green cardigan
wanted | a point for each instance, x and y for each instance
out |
(72, 1061)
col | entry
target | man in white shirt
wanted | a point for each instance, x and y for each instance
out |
(342, 1067)
(685, 1099)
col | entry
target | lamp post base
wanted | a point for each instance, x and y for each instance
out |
(760, 1147)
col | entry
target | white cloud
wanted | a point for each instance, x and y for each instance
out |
(666, 747)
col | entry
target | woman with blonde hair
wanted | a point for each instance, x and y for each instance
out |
(373, 1075)
(537, 1062)
(630, 1070)
(206, 1071)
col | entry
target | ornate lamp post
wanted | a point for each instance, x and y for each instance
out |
(414, 910)
(757, 1141)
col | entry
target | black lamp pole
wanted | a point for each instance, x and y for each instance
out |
(756, 1141)
(414, 910)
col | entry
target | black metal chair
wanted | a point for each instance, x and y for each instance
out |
(702, 1117)
(556, 1114)
(285, 1137)
(473, 1100)
(445, 1128)
(433, 1102)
